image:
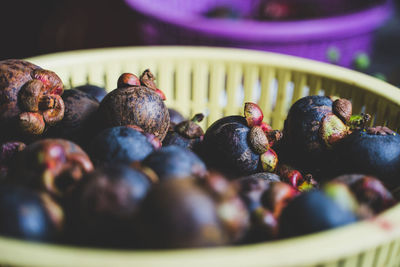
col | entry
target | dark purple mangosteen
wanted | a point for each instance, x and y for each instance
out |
(312, 212)
(122, 144)
(178, 213)
(77, 124)
(29, 215)
(373, 151)
(7, 156)
(95, 91)
(175, 162)
(187, 134)
(102, 210)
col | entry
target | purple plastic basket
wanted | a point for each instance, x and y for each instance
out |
(180, 22)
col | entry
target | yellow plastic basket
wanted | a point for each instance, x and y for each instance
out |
(219, 81)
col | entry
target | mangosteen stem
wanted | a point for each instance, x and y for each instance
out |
(359, 121)
(198, 117)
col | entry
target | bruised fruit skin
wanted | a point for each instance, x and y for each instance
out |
(52, 165)
(122, 144)
(30, 99)
(312, 212)
(177, 213)
(7, 155)
(95, 91)
(136, 105)
(226, 147)
(174, 162)
(104, 205)
(25, 214)
(77, 124)
(374, 151)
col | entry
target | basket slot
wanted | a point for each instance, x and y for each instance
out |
(280, 110)
(370, 257)
(165, 80)
(381, 112)
(217, 85)
(357, 100)
(392, 256)
(370, 106)
(382, 256)
(200, 88)
(112, 73)
(233, 86)
(315, 85)
(265, 102)
(392, 117)
(78, 76)
(182, 87)
(329, 87)
(300, 81)
(95, 74)
(351, 262)
(250, 83)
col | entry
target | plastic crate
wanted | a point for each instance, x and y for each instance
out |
(195, 79)
(180, 22)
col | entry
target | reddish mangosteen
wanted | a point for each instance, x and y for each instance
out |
(135, 105)
(277, 197)
(294, 177)
(374, 151)
(30, 99)
(253, 186)
(123, 144)
(78, 122)
(368, 191)
(174, 162)
(187, 134)
(238, 145)
(95, 91)
(312, 212)
(314, 124)
(29, 215)
(179, 213)
(7, 156)
(52, 165)
(103, 208)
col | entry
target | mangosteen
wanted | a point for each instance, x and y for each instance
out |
(252, 187)
(52, 165)
(103, 208)
(174, 162)
(312, 212)
(368, 190)
(7, 156)
(263, 226)
(30, 100)
(187, 134)
(178, 213)
(277, 197)
(135, 105)
(29, 215)
(374, 151)
(123, 144)
(77, 124)
(95, 91)
(175, 117)
(295, 178)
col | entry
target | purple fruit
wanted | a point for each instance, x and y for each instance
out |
(95, 91)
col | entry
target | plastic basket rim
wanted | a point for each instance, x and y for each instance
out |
(384, 228)
(330, 28)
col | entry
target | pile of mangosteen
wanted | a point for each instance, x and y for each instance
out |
(122, 170)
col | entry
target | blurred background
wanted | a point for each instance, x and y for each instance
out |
(359, 34)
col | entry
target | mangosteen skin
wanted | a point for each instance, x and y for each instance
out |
(95, 91)
(312, 212)
(77, 124)
(102, 211)
(8, 152)
(174, 162)
(174, 138)
(371, 154)
(175, 116)
(23, 215)
(226, 147)
(119, 144)
(137, 105)
(177, 213)
(301, 145)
